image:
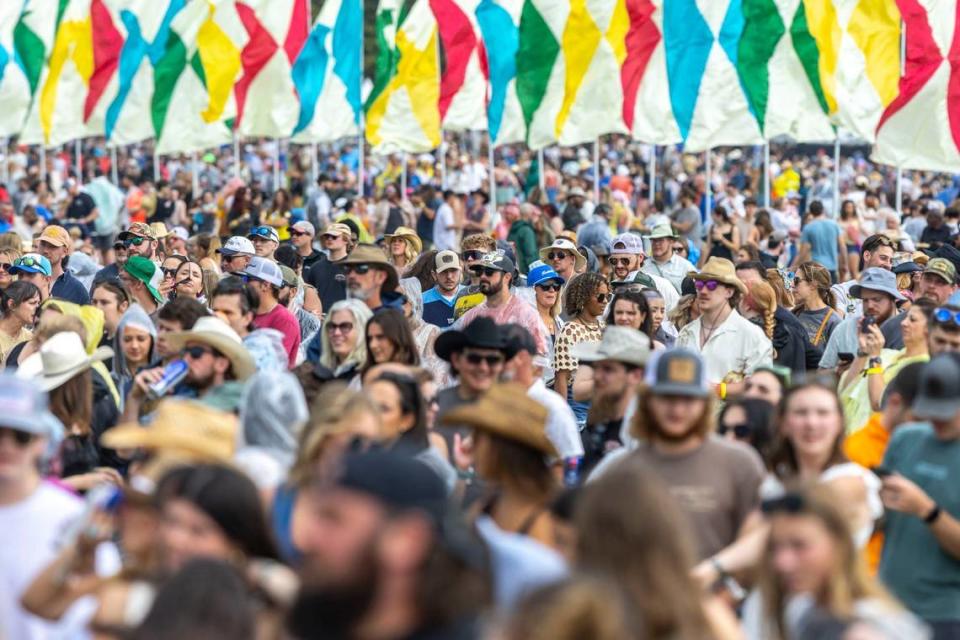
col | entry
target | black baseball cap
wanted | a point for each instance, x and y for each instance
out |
(497, 261)
(938, 396)
(677, 372)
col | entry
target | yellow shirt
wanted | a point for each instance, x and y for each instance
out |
(7, 343)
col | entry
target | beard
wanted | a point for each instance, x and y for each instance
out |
(356, 293)
(490, 289)
(674, 438)
(330, 610)
(604, 408)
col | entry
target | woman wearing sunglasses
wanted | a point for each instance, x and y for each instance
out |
(547, 286)
(343, 347)
(748, 420)
(7, 258)
(587, 296)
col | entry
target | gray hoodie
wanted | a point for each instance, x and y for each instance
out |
(137, 316)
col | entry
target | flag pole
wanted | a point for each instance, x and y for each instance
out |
(766, 175)
(836, 176)
(194, 174)
(652, 174)
(314, 163)
(903, 69)
(276, 165)
(361, 135)
(114, 170)
(6, 162)
(403, 175)
(443, 161)
(708, 194)
(492, 175)
(43, 162)
(236, 154)
(596, 171)
(78, 159)
(156, 162)
(540, 177)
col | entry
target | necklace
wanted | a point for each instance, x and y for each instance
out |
(710, 329)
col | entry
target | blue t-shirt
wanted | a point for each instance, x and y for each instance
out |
(437, 310)
(822, 236)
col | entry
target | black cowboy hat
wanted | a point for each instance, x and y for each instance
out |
(482, 333)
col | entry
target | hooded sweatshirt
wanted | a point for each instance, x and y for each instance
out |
(138, 317)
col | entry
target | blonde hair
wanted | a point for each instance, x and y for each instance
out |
(410, 253)
(361, 315)
(11, 241)
(682, 314)
(775, 280)
(764, 299)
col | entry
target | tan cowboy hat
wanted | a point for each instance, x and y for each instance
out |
(159, 230)
(507, 411)
(184, 429)
(721, 270)
(214, 332)
(373, 255)
(60, 358)
(579, 260)
(408, 234)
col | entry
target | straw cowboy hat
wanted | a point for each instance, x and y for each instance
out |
(407, 234)
(579, 260)
(373, 255)
(181, 428)
(60, 358)
(721, 270)
(215, 333)
(508, 412)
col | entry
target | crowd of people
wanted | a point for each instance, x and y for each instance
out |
(393, 410)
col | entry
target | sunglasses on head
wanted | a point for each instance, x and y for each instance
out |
(558, 255)
(628, 288)
(740, 431)
(943, 315)
(471, 255)
(491, 359)
(341, 327)
(135, 241)
(709, 285)
(615, 261)
(550, 286)
(359, 269)
(264, 232)
(22, 438)
(484, 271)
(27, 261)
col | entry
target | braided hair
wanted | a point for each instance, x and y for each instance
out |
(581, 288)
(764, 300)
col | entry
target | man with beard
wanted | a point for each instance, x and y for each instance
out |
(497, 274)
(628, 258)
(618, 363)
(937, 284)
(266, 278)
(138, 240)
(371, 279)
(217, 361)
(715, 482)
(384, 558)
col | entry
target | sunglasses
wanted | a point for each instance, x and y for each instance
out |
(330, 236)
(558, 255)
(27, 261)
(490, 359)
(628, 288)
(169, 273)
(342, 327)
(550, 286)
(22, 438)
(679, 249)
(196, 352)
(299, 233)
(264, 231)
(603, 297)
(709, 285)
(618, 261)
(359, 269)
(740, 431)
(471, 255)
(944, 315)
(484, 271)
(135, 241)
(5, 266)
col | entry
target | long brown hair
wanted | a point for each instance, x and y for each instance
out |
(518, 467)
(72, 402)
(849, 581)
(783, 457)
(648, 557)
(817, 276)
(644, 425)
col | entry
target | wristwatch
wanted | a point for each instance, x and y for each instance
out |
(873, 362)
(933, 515)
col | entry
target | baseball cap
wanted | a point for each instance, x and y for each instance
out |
(627, 244)
(237, 246)
(137, 229)
(289, 276)
(264, 231)
(496, 261)
(541, 272)
(619, 344)
(57, 236)
(943, 268)
(305, 227)
(180, 232)
(266, 270)
(677, 372)
(446, 260)
(338, 229)
(24, 407)
(147, 272)
(32, 263)
(938, 396)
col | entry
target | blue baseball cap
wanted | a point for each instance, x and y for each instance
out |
(32, 263)
(540, 273)
(264, 231)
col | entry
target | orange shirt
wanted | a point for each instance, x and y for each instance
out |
(866, 447)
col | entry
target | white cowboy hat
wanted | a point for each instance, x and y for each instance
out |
(216, 333)
(60, 358)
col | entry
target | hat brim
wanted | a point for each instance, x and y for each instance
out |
(32, 369)
(17, 270)
(857, 289)
(162, 437)
(735, 283)
(500, 424)
(556, 277)
(591, 352)
(126, 235)
(939, 274)
(579, 260)
(451, 342)
(677, 389)
(930, 409)
(240, 358)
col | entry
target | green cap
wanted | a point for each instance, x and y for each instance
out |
(943, 268)
(144, 270)
(289, 276)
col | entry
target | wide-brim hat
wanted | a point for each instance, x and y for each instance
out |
(877, 279)
(579, 260)
(373, 255)
(508, 412)
(721, 270)
(408, 234)
(60, 358)
(620, 344)
(662, 231)
(482, 333)
(185, 428)
(216, 333)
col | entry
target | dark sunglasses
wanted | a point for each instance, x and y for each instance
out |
(709, 285)
(359, 269)
(471, 255)
(491, 359)
(550, 286)
(484, 271)
(135, 241)
(603, 297)
(5, 266)
(196, 352)
(264, 232)
(22, 438)
(740, 431)
(618, 261)
(330, 236)
(342, 327)
(680, 249)
(299, 233)
(169, 272)
(943, 315)
(558, 255)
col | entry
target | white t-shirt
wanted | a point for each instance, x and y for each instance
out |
(562, 428)
(443, 237)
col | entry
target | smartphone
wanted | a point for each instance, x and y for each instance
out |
(845, 358)
(866, 322)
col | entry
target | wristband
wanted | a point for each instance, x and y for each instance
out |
(722, 390)
(933, 515)
(873, 371)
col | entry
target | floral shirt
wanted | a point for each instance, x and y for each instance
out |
(574, 332)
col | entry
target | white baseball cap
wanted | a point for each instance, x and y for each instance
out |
(237, 246)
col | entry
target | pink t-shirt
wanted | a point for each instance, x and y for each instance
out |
(282, 320)
(515, 311)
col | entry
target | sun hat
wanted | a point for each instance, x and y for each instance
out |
(482, 333)
(24, 407)
(877, 279)
(31, 263)
(237, 246)
(184, 428)
(446, 260)
(304, 227)
(721, 270)
(938, 394)
(629, 244)
(57, 236)
(620, 344)
(543, 273)
(159, 230)
(216, 333)
(943, 268)
(264, 269)
(508, 412)
(677, 372)
(408, 234)
(662, 231)
(147, 272)
(373, 255)
(137, 230)
(60, 358)
(579, 262)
